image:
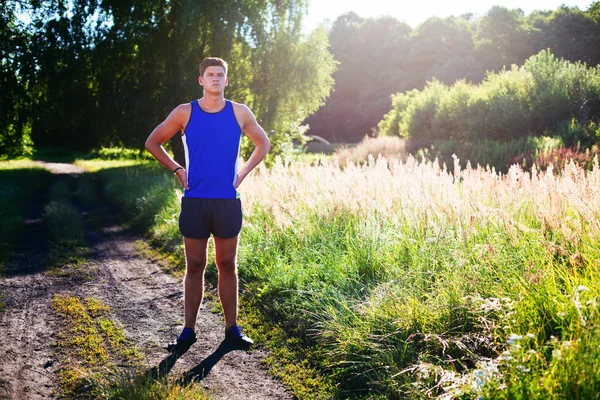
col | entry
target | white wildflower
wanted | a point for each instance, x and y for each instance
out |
(523, 369)
(513, 338)
(556, 353)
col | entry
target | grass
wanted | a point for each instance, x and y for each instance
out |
(399, 279)
(14, 197)
(400, 268)
(140, 388)
(290, 359)
(95, 165)
(97, 362)
(65, 155)
(498, 154)
(68, 248)
(89, 344)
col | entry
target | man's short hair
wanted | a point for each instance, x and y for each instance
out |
(212, 62)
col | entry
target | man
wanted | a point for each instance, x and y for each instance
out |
(211, 129)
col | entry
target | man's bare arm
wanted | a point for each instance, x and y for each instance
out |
(174, 123)
(256, 133)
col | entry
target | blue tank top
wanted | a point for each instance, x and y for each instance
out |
(212, 147)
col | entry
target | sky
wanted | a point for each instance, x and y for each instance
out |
(417, 11)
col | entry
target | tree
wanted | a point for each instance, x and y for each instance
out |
(370, 53)
(14, 102)
(570, 33)
(107, 72)
(503, 38)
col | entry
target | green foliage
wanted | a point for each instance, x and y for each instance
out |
(504, 37)
(15, 128)
(16, 144)
(594, 11)
(545, 96)
(390, 125)
(14, 197)
(282, 101)
(119, 153)
(463, 295)
(103, 74)
(445, 50)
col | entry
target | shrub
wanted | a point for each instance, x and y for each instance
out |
(545, 96)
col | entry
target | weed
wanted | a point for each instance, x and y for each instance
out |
(89, 343)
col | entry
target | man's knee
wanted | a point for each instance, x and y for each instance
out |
(195, 265)
(227, 265)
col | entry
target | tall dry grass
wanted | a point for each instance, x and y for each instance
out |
(417, 192)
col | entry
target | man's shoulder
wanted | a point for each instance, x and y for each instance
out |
(183, 108)
(239, 106)
(242, 111)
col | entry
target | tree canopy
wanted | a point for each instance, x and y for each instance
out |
(382, 56)
(87, 73)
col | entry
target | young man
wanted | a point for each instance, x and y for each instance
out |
(211, 129)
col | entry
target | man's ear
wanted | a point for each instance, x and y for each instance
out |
(226, 81)
(200, 81)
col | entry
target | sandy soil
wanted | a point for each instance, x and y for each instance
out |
(144, 300)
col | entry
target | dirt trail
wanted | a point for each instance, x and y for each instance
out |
(146, 301)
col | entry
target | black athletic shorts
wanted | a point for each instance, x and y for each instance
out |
(199, 218)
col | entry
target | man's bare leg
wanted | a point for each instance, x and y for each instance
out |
(226, 260)
(195, 265)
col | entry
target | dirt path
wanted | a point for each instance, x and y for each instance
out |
(146, 301)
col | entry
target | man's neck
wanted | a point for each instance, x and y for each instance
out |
(212, 102)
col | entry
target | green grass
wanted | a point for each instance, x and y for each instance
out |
(65, 224)
(425, 296)
(89, 344)
(140, 388)
(67, 248)
(65, 155)
(20, 181)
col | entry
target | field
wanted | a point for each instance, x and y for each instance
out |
(400, 279)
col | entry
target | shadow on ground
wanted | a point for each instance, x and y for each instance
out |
(200, 371)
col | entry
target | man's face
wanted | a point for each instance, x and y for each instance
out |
(214, 79)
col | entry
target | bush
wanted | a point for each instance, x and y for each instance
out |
(545, 96)
(119, 153)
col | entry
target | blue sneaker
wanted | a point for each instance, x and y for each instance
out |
(186, 338)
(236, 335)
